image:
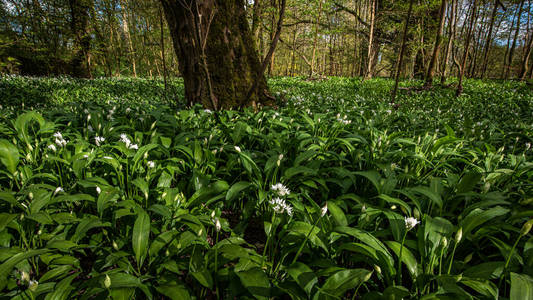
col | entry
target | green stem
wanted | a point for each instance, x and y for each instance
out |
(451, 259)
(268, 240)
(504, 272)
(216, 267)
(305, 241)
(399, 270)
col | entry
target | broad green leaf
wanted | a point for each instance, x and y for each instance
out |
(7, 266)
(236, 188)
(407, 257)
(303, 275)
(521, 286)
(141, 236)
(256, 282)
(9, 155)
(344, 280)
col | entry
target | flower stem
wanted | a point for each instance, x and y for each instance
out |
(305, 241)
(504, 272)
(268, 240)
(399, 270)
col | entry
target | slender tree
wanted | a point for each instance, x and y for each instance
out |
(436, 48)
(402, 50)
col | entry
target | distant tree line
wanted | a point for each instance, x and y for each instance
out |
(443, 38)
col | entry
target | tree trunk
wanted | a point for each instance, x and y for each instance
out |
(402, 50)
(256, 20)
(525, 61)
(451, 33)
(315, 42)
(459, 90)
(436, 48)
(511, 51)
(126, 29)
(489, 39)
(80, 14)
(216, 53)
(368, 73)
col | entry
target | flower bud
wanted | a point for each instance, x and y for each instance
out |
(468, 258)
(107, 281)
(378, 269)
(115, 246)
(368, 276)
(459, 235)
(526, 228)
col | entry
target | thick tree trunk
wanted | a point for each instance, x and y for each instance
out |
(436, 48)
(126, 29)
(216, 53)
(80, 14)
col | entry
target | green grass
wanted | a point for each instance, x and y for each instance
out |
(174, 203)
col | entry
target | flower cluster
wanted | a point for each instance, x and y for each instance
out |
(280, 206)
(124, 138)
(410, 223)
(280, 189)
(60, 141)
(98, 140)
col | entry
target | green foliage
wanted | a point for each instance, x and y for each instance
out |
(173, 202)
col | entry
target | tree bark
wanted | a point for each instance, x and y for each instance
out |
(215, 49)
(368, 73)
(511, 51)
(459, 90)
(489, 38)
(451, 33)
(402, 50)
(315, 42)
(436, 48)
(525, 61)
(80, 14)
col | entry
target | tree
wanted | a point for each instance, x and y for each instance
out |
(80, 63)
(436, 48)
(216, 53)
(402, 50)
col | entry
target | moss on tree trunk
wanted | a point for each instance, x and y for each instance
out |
(232, 60)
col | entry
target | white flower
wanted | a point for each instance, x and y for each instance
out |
(280, 206)
(324, 210)
(58, 189)
(85, 156)
(133, 146)
(528, 145)
(280, 189)
(208, 111)
(128, 110)
(24, 276)
(98, 140)
(58, 135)
(410, 223)
(52, 147)
(238, 149)
(150, 164)
(98, 190)
(32, 285)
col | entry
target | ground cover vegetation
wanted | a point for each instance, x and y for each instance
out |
(112, 188)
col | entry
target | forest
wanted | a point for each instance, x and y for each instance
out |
(266, 149)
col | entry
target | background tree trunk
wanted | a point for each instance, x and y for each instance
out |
(80, 13)
(436, 48)
(470, 29)
(511, 51)
(368, 73)
(228, 49)
(402, 50)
